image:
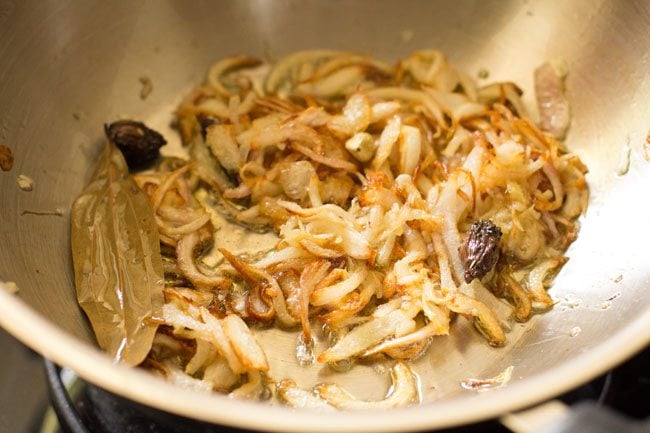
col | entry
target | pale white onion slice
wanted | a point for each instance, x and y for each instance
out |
(296, 397)
(215, 331)
(386, 141)
(409, 149)
(460, 138)
(414, 96)
(367, 335)
(205, 352)
(220, 375)
(355, 117)
(295, 178)
(184, 229)
(244, 343)
(403, 392)
(251, 389)
(331, 295)
(425, 332)
(221, 68)
(384, 110)
(178, 377)
(540, 299)
(221, 140)
(284, 68)
(361, 146)
(337, 83)
(185, 262)
(203, 325)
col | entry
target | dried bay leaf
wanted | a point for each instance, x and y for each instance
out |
(117, 263)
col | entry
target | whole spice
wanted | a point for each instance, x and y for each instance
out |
(118, 268)
(139, 144)
(480, 251)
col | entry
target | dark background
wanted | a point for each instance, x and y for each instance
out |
(23, 390)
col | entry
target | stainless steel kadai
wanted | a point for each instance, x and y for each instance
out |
(67, 67)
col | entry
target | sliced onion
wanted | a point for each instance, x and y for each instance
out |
(518, 297)
(166, 184)
(484, 319)
(367, 335)
(558, 190)
(354, 302)
(310, 276)
(295, 178)
(344, 60)
(205, 167)
(331, 295)
(289, 282)
(174, 316)
(279, 256)
(337, 83)
(205, 352)
(244, 344)
(325, 160)
(449, 297)
(277, 105)
(314, 249)
(296, 397)
(215, 331)
(384, 110)
(251, 274)
(221, 140)
(434, 310)
(386, 141)
(179, 215)
(450, 207)
(212, 107)
(185, 262)
(540, 299)
(409, 148)
(411, 95)
(507, 91)
(403, 392)
(281, 312)
(185, 229)
(361, 146)
(203, 325)
(460, 138)
(258, 305)
(355, 118)
(336, 189)
(430, 67)
(478, 291)
(429, 330)
(220, 375)
(458, 107)
(446, 278)
(284, 68)
(295, 133)
(252, 389)
(469, 87)
(178, 377)
(313, 117)
(239, 192)
(221, 68)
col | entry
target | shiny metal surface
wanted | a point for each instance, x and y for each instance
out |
(68, 67)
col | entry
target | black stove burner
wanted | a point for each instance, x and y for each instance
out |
(625, 389)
